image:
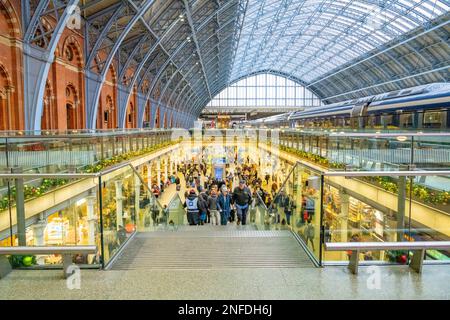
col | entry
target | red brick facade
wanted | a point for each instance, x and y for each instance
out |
(64, 99)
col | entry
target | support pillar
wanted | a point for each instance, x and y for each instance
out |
(137, 197)
(343, 219)
(401, 207)
(158, 169)
(20, 208)
(149, 175)
(166, 169)
(123, 94)
(37, 63)
(92, 219)
(119, 204)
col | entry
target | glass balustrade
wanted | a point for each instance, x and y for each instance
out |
(329, 189)
(326, 206)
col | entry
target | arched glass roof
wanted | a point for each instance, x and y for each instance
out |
(181, 53)
(309, 38)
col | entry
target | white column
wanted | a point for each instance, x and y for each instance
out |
(119, 204)
(343, 219)
(91, 219)
(137, 196)
(149, 175)
(158, 169)
(166, 168)
(171, 166)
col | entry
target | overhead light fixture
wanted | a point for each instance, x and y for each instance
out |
(401, 138)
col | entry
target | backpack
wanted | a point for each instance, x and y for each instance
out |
(191, 204)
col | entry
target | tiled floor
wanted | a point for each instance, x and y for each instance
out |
(288, 283)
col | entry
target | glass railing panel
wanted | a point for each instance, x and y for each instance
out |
(259, 215)
(120, 209)
(429, 212)
(65, 215)
(151, 214)
(370, 152)
(385, 209)
(303, 205)
(431, 152)
(177, 213)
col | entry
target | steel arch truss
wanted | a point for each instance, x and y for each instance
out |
(179, 54)
(44, 22)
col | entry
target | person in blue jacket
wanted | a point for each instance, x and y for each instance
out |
(224, 204)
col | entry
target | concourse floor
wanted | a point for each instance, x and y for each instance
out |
(231, 283)
(229, 263)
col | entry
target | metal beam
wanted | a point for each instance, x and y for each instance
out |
(194, 36)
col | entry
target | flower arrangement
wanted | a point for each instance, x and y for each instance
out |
(322, 161)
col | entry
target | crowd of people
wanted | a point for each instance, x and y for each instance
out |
(215, 200)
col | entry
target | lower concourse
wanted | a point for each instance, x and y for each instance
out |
(220, 150)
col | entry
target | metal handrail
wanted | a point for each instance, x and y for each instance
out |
(38, 250)
(63, 175)
(385, 173)
(272, 205)
(403, 245)
(338, 133)
(78, 133)
(261, 200)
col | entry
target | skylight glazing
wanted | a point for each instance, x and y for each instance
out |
(265, 91)
(309, 38)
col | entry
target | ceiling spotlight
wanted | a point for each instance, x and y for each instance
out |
(188, 39)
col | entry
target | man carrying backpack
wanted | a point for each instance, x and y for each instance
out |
(191, 205)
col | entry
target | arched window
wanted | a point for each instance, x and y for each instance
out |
(49, 112)
(69, 54)
(72, 108)
(264, 91)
